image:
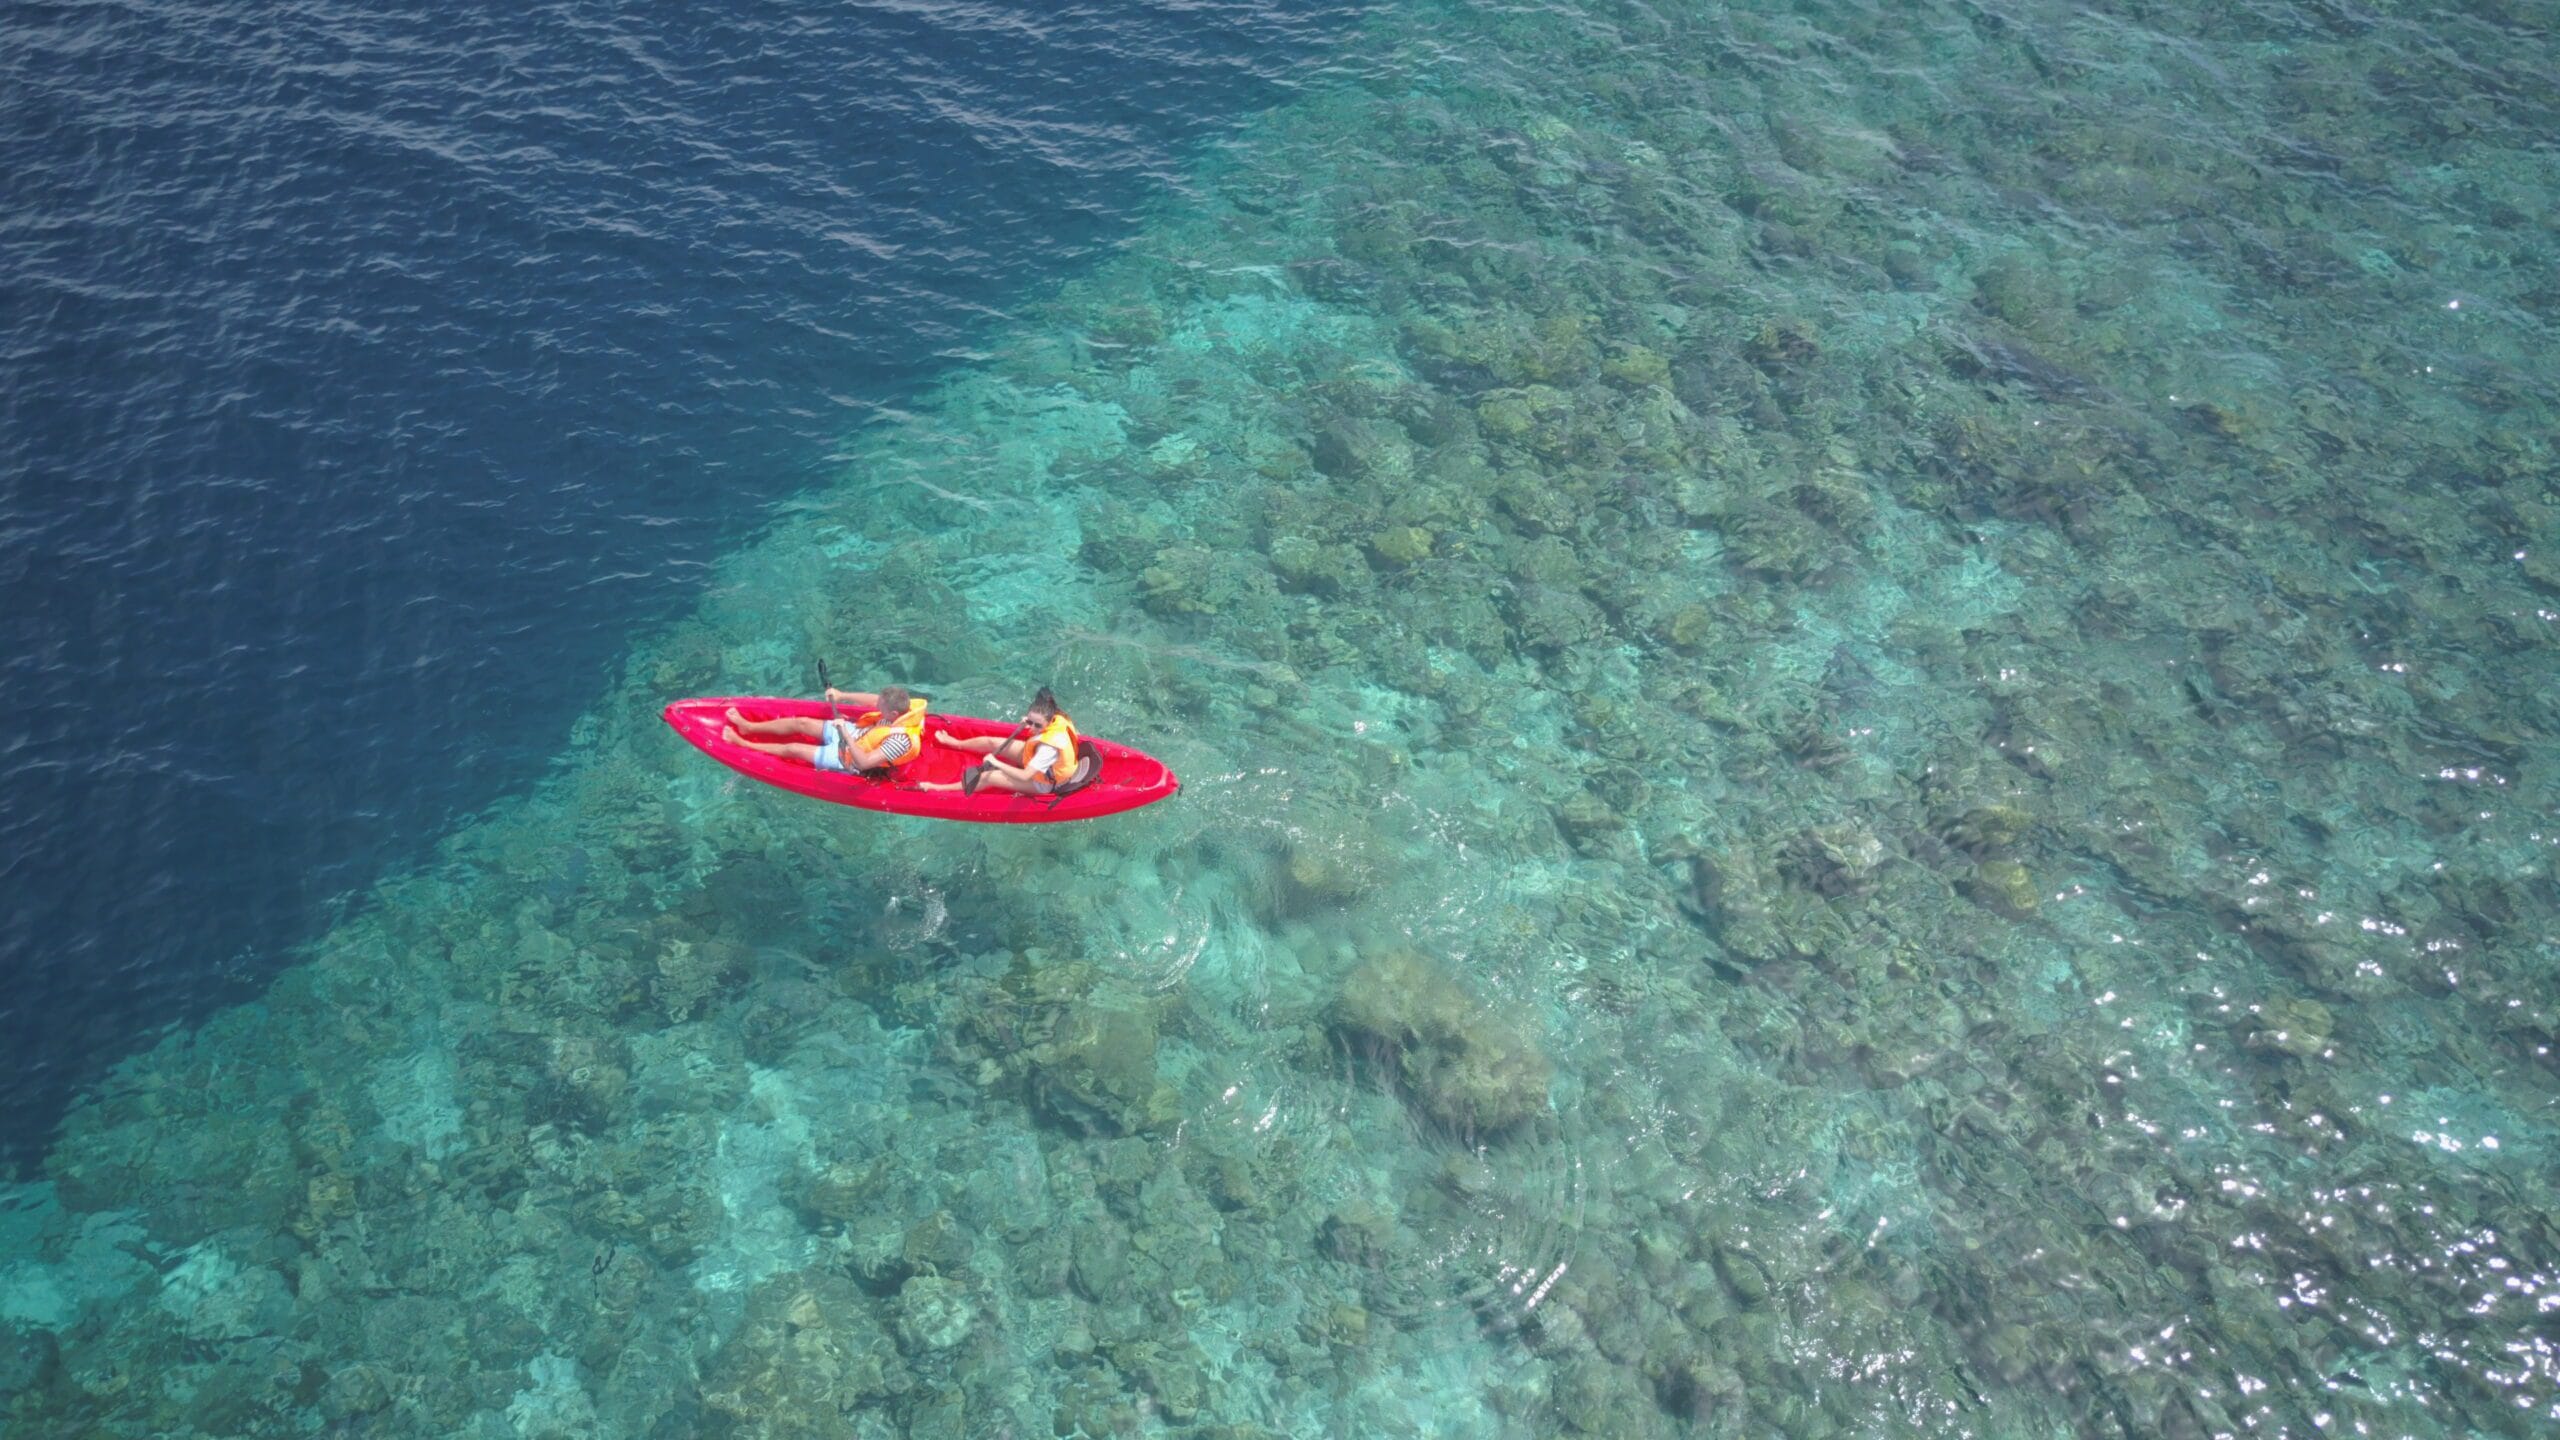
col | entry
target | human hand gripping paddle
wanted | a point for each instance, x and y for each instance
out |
(1053, 763)
(1124, 778)
(970, 777)
(835, 717)
(846, 739)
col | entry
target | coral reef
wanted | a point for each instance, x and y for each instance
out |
(807, 1356)
(1465, 1064)
(1798, 822)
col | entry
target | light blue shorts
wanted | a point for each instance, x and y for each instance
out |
(834, 743)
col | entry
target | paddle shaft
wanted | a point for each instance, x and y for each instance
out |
(835, 717)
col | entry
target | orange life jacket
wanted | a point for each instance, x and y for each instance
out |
(1059, 734)
(912, 723)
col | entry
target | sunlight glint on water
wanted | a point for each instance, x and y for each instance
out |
(1866, 708)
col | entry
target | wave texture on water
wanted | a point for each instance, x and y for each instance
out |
(1866, 702)
(368, 374)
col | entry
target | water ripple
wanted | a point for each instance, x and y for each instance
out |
(371, 376)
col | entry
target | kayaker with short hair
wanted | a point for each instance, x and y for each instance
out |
(1036, 759)
(885, 731)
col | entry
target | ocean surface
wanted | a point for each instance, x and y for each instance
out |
(373, 375)
(1867, 698)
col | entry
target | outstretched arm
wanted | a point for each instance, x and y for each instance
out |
(1003, 766)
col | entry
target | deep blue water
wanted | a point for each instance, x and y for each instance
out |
(1866, 693)
(369, 375)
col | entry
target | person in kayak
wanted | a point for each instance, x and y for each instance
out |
(1035, 759)
(885, 732)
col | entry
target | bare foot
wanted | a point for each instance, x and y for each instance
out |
(945, 737)
(735, 718)
(729, 736)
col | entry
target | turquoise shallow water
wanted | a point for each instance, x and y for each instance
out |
(1866, 700)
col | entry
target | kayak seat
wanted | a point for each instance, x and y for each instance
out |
(1088, 769)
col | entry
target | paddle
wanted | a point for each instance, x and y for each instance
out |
(836, 716)
(968, 784)
(973, 772)
(827, 688)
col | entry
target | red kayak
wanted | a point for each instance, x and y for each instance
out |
(1126, 778)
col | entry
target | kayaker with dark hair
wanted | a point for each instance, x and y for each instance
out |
(885, 731)
(1036, 759)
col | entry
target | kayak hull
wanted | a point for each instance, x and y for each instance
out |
(1130, 778)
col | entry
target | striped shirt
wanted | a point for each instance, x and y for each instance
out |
(893, 746)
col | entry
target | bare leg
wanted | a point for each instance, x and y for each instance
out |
(805, 754)
(788, 727)
(995, 777)
(996, 745)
